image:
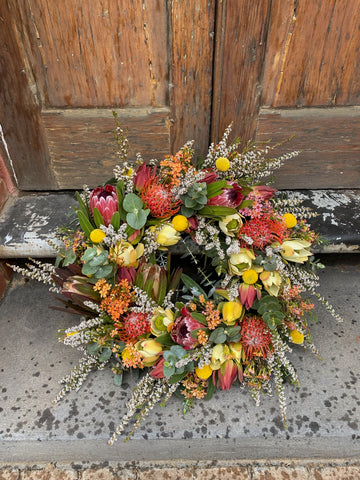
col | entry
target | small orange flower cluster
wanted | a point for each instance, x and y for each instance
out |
(194, 387)
(212, 315)
(115, 301)
(176, 165)
(132, 357)
(202, 337)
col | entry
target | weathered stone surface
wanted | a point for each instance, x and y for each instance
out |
(292, 472)
(50, 472)
(222, 473)
(9, 474)
(166, 474)
(339, 472)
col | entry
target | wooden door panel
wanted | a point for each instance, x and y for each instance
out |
(81, 141)
(97, 54)
(312, 56)
(329, 140)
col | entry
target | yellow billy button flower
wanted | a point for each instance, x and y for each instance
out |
(290, 220)
(296, 337)
(250, 276)
(204, 373)
(97, 235)
(222, 164)
(180, 223)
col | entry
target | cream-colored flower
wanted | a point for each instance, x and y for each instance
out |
(231, 224)
(161, 321)
(218, 356)
(125, 255)
(149, 350)
(271, 281)
(239, 262)
(167, 235)
(295, 250)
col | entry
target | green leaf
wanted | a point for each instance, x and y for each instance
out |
(115, 221)
(89, 254)
(245, 204)
(165, 340)
(83, 207)
(69, 258)
(104, 272)
(118, 380)
(216, 211)
(105, 355)
(187, 212)
(200, 317)
(132, 203)
(214, 189)
(87, 269)
(177, 377)
(99, 259)
(85, 224)
(92, 348)
(137, 220)
(168, 371)
(192, 285)
(211, 389)
(218, 335)
(98, 219)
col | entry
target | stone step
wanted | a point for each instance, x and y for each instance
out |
(29, 221)
(323, 415)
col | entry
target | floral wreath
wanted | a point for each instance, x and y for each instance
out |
(232, 318)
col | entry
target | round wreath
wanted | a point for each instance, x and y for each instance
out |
(232, 317)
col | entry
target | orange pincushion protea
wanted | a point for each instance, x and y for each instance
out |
(255, 337)
(159, 200)
(262, 231)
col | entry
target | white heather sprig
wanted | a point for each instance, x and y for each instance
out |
(42, 272)
(167, 303)
(126, 173)
(280, 350)
(275, 367)
(293, 205)
(78, 375)
(93, 306)
(112, 237)
(143, 302)
(186, 180)
(85, 194)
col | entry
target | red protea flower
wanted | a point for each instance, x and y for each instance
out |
(106, 201)
(263, 231)
(134, 325)
(159, 200)
(230, 197)
(183, 326)
(255, 337)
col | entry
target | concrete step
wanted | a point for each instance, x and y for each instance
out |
(28, 221)
(227, 432)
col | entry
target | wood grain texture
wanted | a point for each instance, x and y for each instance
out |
(191, 45)
(240, 48)
(26, 146)
(101, 53)
(312, 56)
(329, 140)
(82, 144)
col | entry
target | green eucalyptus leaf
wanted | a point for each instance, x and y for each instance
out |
(104, 271)
(137, 220)
(105, 355)
(132, 203)
(69, 258)
(89, 254)
(118, 380)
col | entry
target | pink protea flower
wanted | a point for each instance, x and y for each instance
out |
(210, 177)
(248, 293)
(227, 374)
(143, 174)
(158, 370)
(264, 191)
(183, 326)
(106, 201)
(230, 197)
(126, 273)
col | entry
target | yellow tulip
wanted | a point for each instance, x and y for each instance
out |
(231, 311)
(204, 373)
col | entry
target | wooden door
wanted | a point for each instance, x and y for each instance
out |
(292, 67)
(174, 71)
(65, 66)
